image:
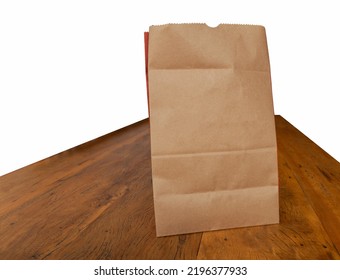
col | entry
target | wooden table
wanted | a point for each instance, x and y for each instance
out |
(95, 202)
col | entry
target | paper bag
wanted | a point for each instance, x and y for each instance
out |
(213, 142)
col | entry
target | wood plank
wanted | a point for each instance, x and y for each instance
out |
(318, 175)
(95, 202)
(300, 234)
(54, 197)
(48, 205)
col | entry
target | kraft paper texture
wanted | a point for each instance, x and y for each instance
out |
(213, 141)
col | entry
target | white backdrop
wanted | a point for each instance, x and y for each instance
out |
(71, 71)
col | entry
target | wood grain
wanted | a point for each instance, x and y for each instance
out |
(95, 202)
(317, 173)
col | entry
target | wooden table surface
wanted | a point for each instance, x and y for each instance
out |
(95, 202)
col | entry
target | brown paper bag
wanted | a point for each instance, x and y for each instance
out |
(213, 142)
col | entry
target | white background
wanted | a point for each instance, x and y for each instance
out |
(71, 71)
(84, 270)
